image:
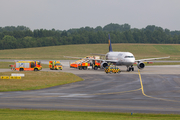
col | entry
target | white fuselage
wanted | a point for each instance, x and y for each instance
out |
(122, 58)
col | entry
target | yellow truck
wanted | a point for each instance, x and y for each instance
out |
(55, 65)
(112, 69)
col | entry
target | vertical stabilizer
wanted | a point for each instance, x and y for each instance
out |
(110, 47)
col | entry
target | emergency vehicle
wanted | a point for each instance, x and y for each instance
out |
(27, 66)
(96, 64)
(87, 64)
(84, 66)
(55, 65)
(112, 69)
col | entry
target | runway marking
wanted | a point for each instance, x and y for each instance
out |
(151, 96)
(116, 92)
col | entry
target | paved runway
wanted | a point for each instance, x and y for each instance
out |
(155, 90)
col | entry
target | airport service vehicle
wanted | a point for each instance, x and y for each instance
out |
(112, 69)
(55, 65)
(75, 64)
(27, 66)
(96, 64)
(84, 66)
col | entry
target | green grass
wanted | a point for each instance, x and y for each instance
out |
(8, 114)
(36, 80)
(6, 64)
(57, 52)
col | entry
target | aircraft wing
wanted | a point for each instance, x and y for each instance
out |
(112, 61)
(74, 57)
(98, 54)
(109, 61)
(92, 59)
(150, 59)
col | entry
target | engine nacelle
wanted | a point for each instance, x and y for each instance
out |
(104, 64)
(140, 65)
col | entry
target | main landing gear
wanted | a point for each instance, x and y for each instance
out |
(131, 68)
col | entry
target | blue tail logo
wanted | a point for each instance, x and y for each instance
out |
(110, 47)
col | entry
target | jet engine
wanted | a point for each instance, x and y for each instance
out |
(141, 65)
(104, 64)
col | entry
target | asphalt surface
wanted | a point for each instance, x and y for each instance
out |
(156, 89)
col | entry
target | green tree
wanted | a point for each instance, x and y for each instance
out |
(9, 42)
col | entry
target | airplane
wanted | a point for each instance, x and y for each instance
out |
(124, 59)
(121, 59)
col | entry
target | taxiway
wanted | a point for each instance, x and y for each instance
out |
(155, 89)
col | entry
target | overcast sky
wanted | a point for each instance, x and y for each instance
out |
(67, 14)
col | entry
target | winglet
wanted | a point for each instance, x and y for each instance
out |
(110, 47)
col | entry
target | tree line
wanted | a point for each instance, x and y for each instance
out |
(22, 37)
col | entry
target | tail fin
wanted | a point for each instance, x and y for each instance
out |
(110, 47)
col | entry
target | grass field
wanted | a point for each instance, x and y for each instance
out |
(7, 114)
(36, 80)
(6, 64)
(57, 52)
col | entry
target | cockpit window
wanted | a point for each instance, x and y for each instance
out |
(129, 57)
(39, 63)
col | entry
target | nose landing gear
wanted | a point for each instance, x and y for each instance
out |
(131, 68)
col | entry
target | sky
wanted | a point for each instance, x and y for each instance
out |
(68, 14)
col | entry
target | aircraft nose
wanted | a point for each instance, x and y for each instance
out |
(132, 60)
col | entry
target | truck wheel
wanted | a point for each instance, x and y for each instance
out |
(95, 68)
(80, 68)
(21, 69)
(35, 69)
(85, 68)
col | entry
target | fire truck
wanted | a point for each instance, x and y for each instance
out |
(55, 65)
(87, 64)
(27, 66)
(96, 64)
(84, 66)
